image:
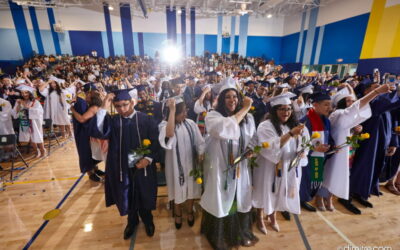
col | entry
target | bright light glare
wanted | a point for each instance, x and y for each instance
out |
(269, 16)
(88, 227)
(110, 7)
(171, 54)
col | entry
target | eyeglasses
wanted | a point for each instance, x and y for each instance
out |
(122, 105)
(285, 109)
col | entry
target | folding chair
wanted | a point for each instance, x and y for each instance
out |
(7, 140)
(49, 132)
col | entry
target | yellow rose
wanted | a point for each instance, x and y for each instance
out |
(68, 95)
(265, 145)
(397, 129)
(204, 114)
(252, 108)
(315, 135)
(146, 142)
(365, 136)
(149, 113)
(199, 180)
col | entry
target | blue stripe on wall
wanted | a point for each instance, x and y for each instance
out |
(232, 40)
(303, 45)
(168, 16)
(193, 32)
(106, 50)
(36, 30)
(314, 48)
(126, 24)
(289, 48)
(300, 41)
(54, 34)
(93, 41)
(140, 41)
(118, 42)
(236, 50)
(183, 31)
(319, 44)
(226, 43)
(109, 29)
(22, 30)
(310, 35)
(9, 48)
(33, 40)
(344, 39)
(173, 25)
(266, 47)
(219, 34)
(210, 43)
(243, 29)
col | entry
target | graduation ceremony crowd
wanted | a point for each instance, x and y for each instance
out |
(240, 135)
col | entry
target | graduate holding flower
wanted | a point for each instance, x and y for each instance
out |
(184, 145)
(276, 187)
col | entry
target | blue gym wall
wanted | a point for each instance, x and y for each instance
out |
(342, 39)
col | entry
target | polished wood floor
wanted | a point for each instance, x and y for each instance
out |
(85, 222)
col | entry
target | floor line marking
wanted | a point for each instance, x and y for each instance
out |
(301, 231)
(330, 224)
(39, 181)
(57, 207)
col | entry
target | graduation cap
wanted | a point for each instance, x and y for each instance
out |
(24, 87)
(89, 86)
(284, 85)
(152, 78)
(141, 88)
(250, 82)
(307, 88)
(20, 81)
(5, 76)
(124, 94)
(264, 83)
(283, 99)
(272, 80)
(211, 73)
(228, 83)
(320, 96)
(343, 93)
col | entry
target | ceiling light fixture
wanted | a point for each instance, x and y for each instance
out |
(110, 8)
(269, 15)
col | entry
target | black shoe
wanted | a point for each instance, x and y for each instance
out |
(150, 229)
(178, 225)
(363, 201)
(246, 243)
(308, 207)
(99, 172)
(254, 239)
(94, 177)
(129, 230)
(191, 222)
(349, 206)
(286, 215)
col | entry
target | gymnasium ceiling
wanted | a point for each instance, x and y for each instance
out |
(204, 8)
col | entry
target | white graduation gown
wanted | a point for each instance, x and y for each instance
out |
(190, 189)
(55, 109)
(35, 133)
(336, 170)
(217, 200)
(6, 125)
(286, 195)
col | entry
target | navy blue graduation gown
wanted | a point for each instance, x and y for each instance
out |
(261, 109)
(151, 108)
(369, 157)
(144, 186)
(82, 138)
(190, 98)
(308, 191)
(391, 164)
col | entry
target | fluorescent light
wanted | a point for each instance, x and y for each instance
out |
(110, 8)
(269, 15)
(179, 11)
